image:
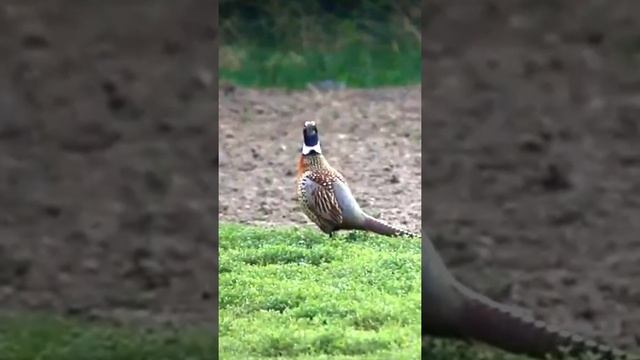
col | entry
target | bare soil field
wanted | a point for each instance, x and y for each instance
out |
(371, 136)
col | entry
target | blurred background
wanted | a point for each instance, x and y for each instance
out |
(107, 158)
(532, 149)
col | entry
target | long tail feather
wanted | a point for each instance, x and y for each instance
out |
(453, 310)
(495, 324)
(380, 227)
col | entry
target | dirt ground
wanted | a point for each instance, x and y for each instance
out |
(532, 145)
(261, 136)
(106, 158)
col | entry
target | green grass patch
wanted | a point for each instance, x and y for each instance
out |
(41, 337)
(298, 294)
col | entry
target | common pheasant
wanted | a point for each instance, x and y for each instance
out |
(324, 195)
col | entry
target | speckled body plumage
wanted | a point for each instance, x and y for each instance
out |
(316, 192)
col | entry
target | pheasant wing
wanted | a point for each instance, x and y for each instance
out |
(321, 198)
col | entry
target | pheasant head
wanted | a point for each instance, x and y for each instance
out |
(311, 139)
(311, 152)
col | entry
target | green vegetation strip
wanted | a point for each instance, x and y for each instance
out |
(355, 65)
(41, 337)
(298, 294)
(292, 44)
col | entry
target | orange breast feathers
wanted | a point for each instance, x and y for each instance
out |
(301, 167)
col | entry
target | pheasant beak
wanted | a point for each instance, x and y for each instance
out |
(311, 139)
